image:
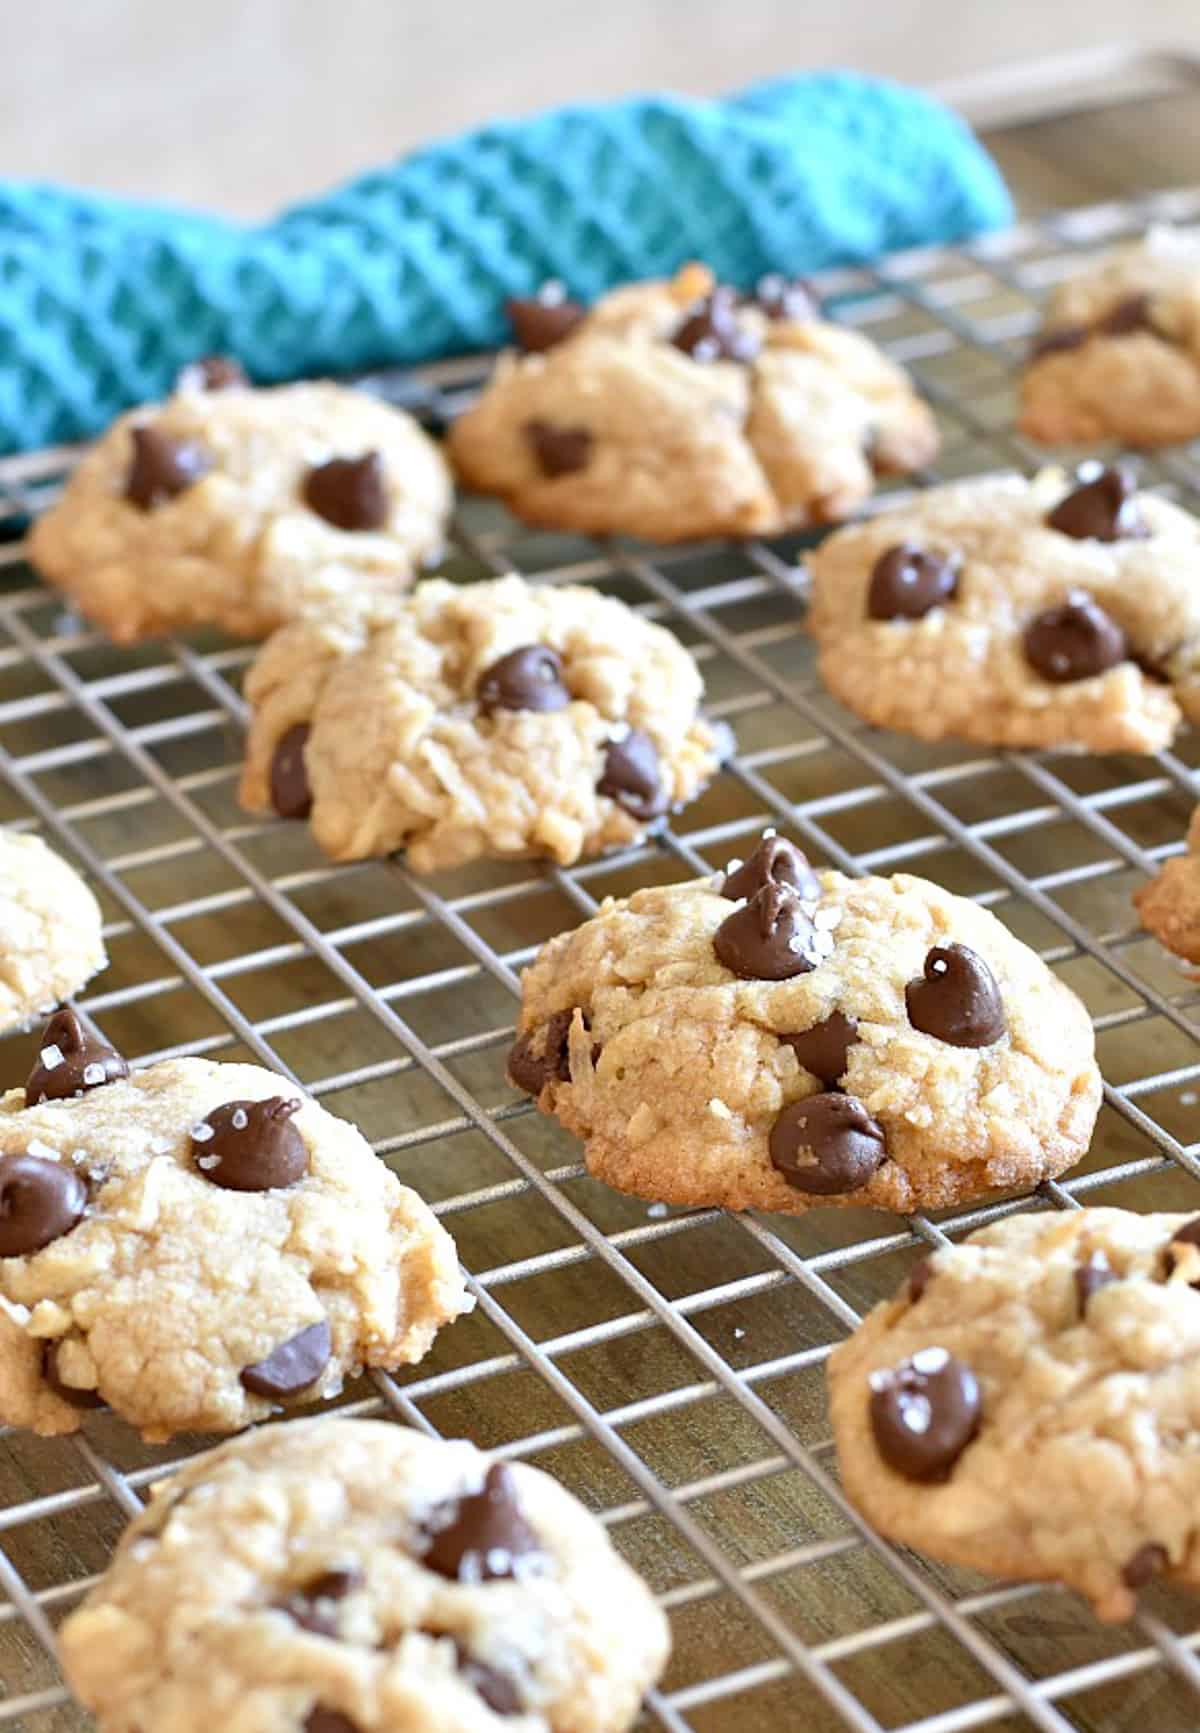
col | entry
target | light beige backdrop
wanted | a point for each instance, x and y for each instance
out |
(243, 104)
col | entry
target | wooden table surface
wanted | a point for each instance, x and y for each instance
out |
(769, 1318)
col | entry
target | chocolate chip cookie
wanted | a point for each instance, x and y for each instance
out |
(1169, 906)
(1061, 611)
(197, 1245)
(1029, 1406)
(775, 1038)
(1119, 355)
(241, 508)
(351, 1576)
(682, 408)
(500, 719)
(50, 930)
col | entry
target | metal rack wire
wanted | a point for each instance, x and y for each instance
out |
(666, 1365)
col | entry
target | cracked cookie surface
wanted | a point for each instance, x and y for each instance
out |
(197, 1245)
(1052, 612)
(352, 1576)
(1029, 1406)
(778, 1040)
(1119, 353)
(677, 409)
(243, 508)
(496, 719)
(51, 939)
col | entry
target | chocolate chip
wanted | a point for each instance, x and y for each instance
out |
(1090, 1276)
(1147, 1562)
(542, 320)
(40, 1201)
(1059, 340)
(211, 373)
(162, 467)
(71, 1060)
(782, 297)
(251, 1145)
(1187, 1235)
(1130, 315)
(526, 679)
(293, 1366)
(907, 582)
(1103, 508)
(348, 492)
(827, 1145)
(531, 1071)
(919, 1278)
(310, 1607)
(775, 861)
(958, 1000)
(769, 938)
(484, 1535)
(924, 1413)
(1074, 641)
(632, 777)
(291, 795)
(74, 1394)
(824, 1049)
(325, 1720)
(711, 332)
(496, 1689)
(559, 450)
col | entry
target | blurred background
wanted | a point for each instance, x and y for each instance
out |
(241, 105)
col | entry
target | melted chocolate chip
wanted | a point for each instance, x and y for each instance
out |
(71, 1060)
(1187, 1235)
(486, 1535)
(348, 492)
(251, 1145)
(919, 1278)
(924, 1413)
(824, 1049)
(782, 297)
(1074, 641)
(496, 1689)
(1090, 1276)
(162, 467)
(1147, 1562)
(40, 1201)
(774, 862)
(291, 795)
(74, 1394)
(1055, 341)
(1102, 508)
(325, 1720)
(540, 321)
(632, 777)
(531, 1071)
(769, 938)
(559, 450)
(526, 679)
(211, 373)
(827, 1145)
(1128, 316)
(958, 1000)
(711, 332)
(311, 1607)
(293, 1366)
(907, 582)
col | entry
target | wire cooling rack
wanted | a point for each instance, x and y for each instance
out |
(667, 1366)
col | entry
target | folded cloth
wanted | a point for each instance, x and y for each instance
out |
(102, 301)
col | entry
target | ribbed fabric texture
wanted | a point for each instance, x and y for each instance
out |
(102, 301)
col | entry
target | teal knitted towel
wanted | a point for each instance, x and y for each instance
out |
(102, 301)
